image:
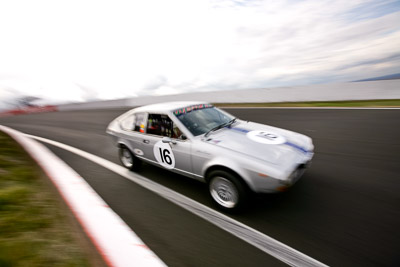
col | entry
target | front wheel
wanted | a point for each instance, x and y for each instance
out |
(128, 159)
(227, 191)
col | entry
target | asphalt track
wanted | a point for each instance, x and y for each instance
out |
(343, 212)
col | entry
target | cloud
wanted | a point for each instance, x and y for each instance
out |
(155, 83)
(370, 10)
(86, 50)
(309, 41)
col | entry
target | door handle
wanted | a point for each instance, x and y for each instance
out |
(146, 141)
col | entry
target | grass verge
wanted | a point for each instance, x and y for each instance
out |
(35, 227)
(361, 103)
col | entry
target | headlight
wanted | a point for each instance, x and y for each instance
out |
(294, 176)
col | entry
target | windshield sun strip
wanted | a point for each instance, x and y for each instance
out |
(191, 108)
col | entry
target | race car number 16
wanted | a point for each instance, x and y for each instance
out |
(164, 155)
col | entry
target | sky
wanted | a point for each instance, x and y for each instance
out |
(74, 51)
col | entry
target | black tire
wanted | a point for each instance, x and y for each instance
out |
(128, 159)
(227, 191)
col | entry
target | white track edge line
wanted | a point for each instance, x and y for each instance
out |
(116, 242)
(263, 242)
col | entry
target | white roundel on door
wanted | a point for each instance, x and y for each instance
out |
(164, 155)
(266, 137)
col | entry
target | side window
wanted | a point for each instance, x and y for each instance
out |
(162, 125)
(176, 132)
(139, 122)
(128, 123)
(158, 124)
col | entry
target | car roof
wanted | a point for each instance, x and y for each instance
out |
(167, 106)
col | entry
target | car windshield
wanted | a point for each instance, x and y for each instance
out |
(200, 121)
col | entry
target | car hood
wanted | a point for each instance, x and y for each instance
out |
(261, 141)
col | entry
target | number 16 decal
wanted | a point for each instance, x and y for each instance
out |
(164, 155)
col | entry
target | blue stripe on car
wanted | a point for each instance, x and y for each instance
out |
(296, 146)
(240, 130)
(287, 143)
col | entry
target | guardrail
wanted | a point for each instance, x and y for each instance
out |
(370, 90)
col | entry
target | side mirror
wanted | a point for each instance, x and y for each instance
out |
(167, 140)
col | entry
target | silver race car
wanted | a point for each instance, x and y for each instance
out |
(200, 141)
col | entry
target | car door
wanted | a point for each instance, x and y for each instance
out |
(173, 155)
(133, 126)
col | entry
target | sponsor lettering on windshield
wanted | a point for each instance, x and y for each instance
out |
(191, 108)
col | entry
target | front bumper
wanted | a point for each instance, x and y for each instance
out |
(270, 184)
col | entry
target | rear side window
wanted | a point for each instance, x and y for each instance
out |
(139, 122)
(128, 123)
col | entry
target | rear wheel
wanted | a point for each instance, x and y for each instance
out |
(129, 160)
(227, 191)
